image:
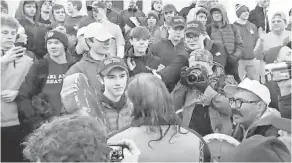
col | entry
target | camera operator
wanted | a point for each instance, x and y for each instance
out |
(197, 96)
(278, 61)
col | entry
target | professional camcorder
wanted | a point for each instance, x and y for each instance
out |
(278, 71)
(196, 76)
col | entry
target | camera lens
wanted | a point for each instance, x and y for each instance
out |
(195, 76)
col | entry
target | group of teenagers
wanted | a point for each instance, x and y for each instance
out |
(72, 85)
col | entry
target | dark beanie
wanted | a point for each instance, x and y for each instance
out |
(240, 9)
(259, 149)
(53, 34)
(152, 13)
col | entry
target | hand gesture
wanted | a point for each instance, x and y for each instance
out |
(132, 153)
(12, 54)
(131, 64)
(261, 32)
(9, 95)
(160, 67)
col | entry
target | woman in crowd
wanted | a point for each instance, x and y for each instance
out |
(156, 128)
(44, 81)
(156, 7)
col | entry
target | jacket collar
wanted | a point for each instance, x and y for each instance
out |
(118, 106)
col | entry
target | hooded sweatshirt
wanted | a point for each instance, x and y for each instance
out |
(11, 79)
(40, 20)
(29, 27)
(225, 33)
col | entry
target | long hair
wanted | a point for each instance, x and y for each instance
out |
(152, 103)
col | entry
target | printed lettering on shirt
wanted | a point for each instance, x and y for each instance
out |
(201, 158)
(55, 79)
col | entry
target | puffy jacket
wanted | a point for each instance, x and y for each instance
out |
(33, 85)
(142, 62)
(257, 17)
(217, 109)
(227, 34)
(249, 35)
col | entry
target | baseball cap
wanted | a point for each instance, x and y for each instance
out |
(177, 21)
(97, 4)
(252, 86)
(97, 31)
(281, 123)
(281, 14)
(168, 8)
(202, 55)
(194, 27)
(80, 31)
(112, 62)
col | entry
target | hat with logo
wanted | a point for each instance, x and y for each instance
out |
(54, 34)
(169, 8)
(239, 9)
(252, 86)
(112, 62)
(98, 31)
(194, 27)
(177, 21)
(202, 55)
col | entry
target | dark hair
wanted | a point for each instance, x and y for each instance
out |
(77, 3)
(140, 33)
(9, 21)
(69, 138)
(152, 104)
(57, 7)
(30, 2)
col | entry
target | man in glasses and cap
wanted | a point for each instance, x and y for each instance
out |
(249, 103)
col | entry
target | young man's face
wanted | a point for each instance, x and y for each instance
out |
(217, 16)
(8, 36)
(70, 7)
(244, 15)
(151, 21)
(100, 47)
(29, 9)
(140, 45)
(193, 41)
(98, 14)
(72, 40)
(202, 18)
(59, 15)
(158, 6)
(55, 48)
(46, 7)
(176, 33)
(168, 16)
(115, 82)
(278, 24)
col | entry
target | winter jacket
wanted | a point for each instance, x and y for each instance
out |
(33, 85)
(41, 49)
(30, 27)
(171, 73)
(228, 34)
(124, 17)
(213, 113)
(281, 97)
(12, 75)
(184, 145)
(112, 16)
(90, 68)
(163, 31)
(142, 62)
(258, 18)
(118, 114)
(262, 126)
(185, 11)
(155, 35)
(249, 35)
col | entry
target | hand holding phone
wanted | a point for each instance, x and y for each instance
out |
(117, 152)
(13, 54)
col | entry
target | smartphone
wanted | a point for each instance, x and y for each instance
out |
(21, 44)
(117, 154)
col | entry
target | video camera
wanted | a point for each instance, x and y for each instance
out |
(278, 71)
(194, 74)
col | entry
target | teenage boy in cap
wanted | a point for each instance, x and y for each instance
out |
(249, 103)
(115, 104)
(139, 58)
(169, 11)
(193, 39)
(249, 35)
(97, 38)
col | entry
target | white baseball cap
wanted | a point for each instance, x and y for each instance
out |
(80, 31)
(98, 31)
(252, 86)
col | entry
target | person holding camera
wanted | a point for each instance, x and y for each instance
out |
(14, 67)
(197, 96)
(73, 138)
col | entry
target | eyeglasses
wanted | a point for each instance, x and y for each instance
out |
(239, 102)
(194, 38)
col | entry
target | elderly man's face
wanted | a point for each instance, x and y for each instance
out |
(249, 110)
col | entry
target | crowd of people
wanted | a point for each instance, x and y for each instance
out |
(156, 83)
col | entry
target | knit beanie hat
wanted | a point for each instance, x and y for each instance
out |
(53, 34)
(152, 13)
(239, 9)
(259, 149)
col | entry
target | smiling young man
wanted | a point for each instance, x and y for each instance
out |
(117, 107)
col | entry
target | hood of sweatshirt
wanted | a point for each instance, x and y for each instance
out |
(19, 14)
(221, 8)
(53, 20)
